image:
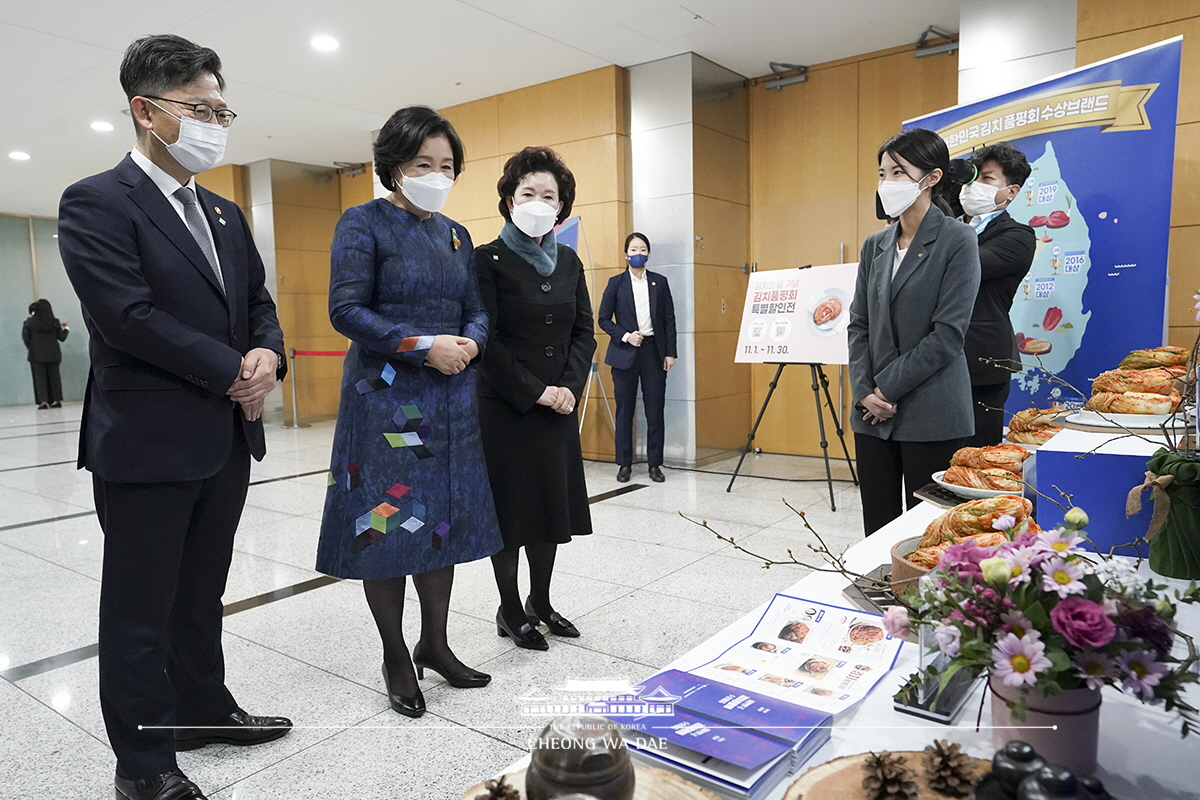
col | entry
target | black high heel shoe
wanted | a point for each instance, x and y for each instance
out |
(466, 679)
(413, 706)
(556, 623)
(527, 636)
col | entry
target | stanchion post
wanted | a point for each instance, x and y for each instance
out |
(292, 374)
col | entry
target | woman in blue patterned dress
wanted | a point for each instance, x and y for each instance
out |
(408, 491)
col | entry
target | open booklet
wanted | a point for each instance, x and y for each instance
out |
(753, 713)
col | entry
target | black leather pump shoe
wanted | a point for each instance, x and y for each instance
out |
(526, 636)
(466, 679)
(556, 623)
(413, 706)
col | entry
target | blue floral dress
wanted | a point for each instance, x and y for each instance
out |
(407, 487)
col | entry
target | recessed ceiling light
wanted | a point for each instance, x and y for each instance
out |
(17, 155)
(102, 126)
(325, 44)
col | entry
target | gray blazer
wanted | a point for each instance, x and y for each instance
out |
(906, 333)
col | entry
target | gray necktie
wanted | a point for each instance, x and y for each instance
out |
(195, 223)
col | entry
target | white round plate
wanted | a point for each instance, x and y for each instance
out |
(1117, 421)
(968, 492)
(834, 325)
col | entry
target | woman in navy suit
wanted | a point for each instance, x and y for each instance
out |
(639, 316)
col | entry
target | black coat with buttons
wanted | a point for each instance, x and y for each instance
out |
(541, 334)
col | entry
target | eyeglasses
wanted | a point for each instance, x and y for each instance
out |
(202, 112)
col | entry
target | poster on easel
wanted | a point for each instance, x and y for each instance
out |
(1101, 141)
(797, 316)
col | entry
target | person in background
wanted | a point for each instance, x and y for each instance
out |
(185, 346)
(1006, 250)
(638, 314)
(402, 288)
(538, 361)
(917, 281)
(41, 333)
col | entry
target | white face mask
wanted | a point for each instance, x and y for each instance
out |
(426, 192)
(534, 218)
(897, 196)
(979, 198)
(200, 146)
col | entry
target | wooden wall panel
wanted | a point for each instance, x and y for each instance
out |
(1185, 275)
(716, 373)
(598, 164)
(1102, 17)
(721, 423)
(357, 190)
(565, 110)
(713, 286)
(1117, 41)
(1185, 191)
(474, 193)
(717, 160)
(228, 180)
(477, 125)
(302, 271)
(725, 114)
(929, 84)
(304, 228)
(723, 229)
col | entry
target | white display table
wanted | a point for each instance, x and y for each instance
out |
(1142, 756)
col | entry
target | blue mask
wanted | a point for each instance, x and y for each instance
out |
(638, 260)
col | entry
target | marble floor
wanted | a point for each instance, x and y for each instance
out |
(645, 587)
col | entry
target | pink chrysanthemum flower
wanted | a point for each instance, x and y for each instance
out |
(1141, 671)
(1062, 578)
(1094, 668)
(1017, 662)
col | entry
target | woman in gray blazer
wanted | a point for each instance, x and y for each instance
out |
(917, 281)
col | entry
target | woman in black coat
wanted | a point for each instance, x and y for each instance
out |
(41, 333)
(538, 360)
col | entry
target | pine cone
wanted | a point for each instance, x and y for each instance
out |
(887, 777)
(499, 790)
(948, 769)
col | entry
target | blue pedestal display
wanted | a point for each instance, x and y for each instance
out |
(1099, 482)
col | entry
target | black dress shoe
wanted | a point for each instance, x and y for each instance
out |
(466, 679)
(172, 785)
(623, 475)
(412, 706)
(656, 475)
(43, 406)
(238, 728)
(526, 636)
(556, 623)
(56, 404)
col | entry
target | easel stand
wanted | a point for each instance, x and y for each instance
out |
(594, 375)
(820, 382)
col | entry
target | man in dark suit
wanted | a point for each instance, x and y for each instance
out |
(1006, 249)
(638, 314)
(185, 345)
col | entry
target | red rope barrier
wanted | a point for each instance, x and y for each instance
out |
(318, 352)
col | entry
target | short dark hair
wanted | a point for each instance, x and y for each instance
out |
(636, 235)
(401, 137)
(529, 161)
(926, 151)
(1012, 161)
(155, 65)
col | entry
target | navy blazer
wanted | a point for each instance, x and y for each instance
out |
(618, 303)
(1006, 249)
(166, 344)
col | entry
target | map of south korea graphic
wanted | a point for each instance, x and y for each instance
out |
(1047, 313)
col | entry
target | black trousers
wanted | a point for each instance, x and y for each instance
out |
(167, 549)
(989, 424)
(647, 368)
(47, 382)
(890, 471)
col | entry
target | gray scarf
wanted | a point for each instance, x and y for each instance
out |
(543, 257)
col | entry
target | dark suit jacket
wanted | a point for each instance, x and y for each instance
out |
(43, 345)
(541, 332)
(906, 333)
(1005, 254)
(617, 304)
(165, 343)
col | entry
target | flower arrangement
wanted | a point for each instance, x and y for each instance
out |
(1040, 612)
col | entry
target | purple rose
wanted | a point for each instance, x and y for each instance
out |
(1082, 622)
(1148, 626)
